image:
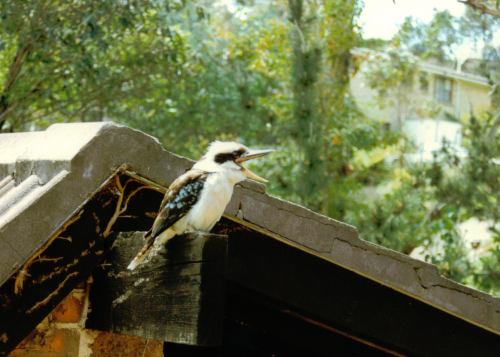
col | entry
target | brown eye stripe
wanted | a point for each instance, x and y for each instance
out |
(221, 158)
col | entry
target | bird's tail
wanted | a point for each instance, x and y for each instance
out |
(143, 253)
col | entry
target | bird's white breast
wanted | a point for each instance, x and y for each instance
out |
(215, 196)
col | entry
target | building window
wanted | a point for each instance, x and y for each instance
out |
(443, 90)
(424, 82)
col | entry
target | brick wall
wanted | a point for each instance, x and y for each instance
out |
(62, 333)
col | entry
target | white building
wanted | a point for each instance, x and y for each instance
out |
(430, 110)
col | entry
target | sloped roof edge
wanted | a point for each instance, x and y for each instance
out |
(90, 152)
(430, 67)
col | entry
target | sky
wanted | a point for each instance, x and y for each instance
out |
(382, 18)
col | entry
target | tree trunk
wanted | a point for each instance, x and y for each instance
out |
(308, 123)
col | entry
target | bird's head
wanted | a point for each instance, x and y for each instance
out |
(228, 156)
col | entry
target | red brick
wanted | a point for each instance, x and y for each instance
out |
(69, 310)
(107, 344)
(50, 343)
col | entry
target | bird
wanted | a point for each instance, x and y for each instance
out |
(196, 200)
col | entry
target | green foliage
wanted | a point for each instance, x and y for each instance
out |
(470, 187)
(309, 124)
(487, 272)
(478, 26)
(397, 220)
(224, 89)
(472, 184)
(373, 43)
(427, 202)
(392, 74)
(433, 40)
(72, 60)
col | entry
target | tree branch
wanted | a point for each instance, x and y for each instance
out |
(12, 75)
(482, 7)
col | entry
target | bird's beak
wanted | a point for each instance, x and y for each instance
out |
(253, 154)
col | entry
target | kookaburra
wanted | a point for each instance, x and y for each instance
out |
(196, 200)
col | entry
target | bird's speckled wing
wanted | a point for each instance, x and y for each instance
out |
(182, 194)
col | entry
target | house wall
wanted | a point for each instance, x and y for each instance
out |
(418, 109)
(472, 97)
(467, 96)
(62, 334)
(366, 98)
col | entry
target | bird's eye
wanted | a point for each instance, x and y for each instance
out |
(238, 153)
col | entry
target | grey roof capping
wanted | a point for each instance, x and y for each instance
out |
(46, 176)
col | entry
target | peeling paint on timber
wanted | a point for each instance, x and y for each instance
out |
(177, 297)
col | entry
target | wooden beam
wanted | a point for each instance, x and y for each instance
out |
(335, 299)
(257, 325)
(177, 296)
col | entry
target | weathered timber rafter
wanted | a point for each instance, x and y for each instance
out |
(70, 254)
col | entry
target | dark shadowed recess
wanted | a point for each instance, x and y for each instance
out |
(71, 254)
(348, 307)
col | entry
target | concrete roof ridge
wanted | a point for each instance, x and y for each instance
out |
(6, 184)
(44, 153)
(425, 274)
(91, 152)
(26, 193)
(71, 160)
(16, 193)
